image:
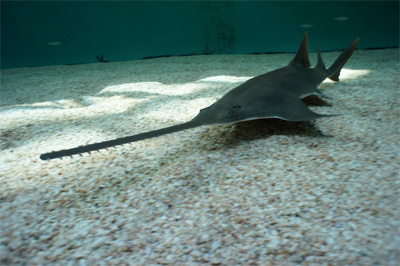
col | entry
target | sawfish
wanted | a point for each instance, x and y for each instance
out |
(276, 94)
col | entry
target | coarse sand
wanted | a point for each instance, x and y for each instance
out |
(263, 192)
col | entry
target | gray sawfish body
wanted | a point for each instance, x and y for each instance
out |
(276, 94)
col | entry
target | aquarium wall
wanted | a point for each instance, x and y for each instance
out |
(40, 33)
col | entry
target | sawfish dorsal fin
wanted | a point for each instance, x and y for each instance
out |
(320, 63)
(301, 57)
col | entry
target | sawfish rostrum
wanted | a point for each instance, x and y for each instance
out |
(276, 94)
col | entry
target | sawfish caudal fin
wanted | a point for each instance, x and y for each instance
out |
(115, 142)
(334, 70)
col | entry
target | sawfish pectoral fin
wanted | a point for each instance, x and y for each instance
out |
(294, 109)
(322, 95)
(317, 93)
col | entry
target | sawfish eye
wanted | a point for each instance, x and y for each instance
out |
(229, 113)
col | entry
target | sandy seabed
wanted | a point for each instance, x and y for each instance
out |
(264, 192)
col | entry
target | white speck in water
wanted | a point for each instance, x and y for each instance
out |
(54, 43)
(306, 26)
(341, 18)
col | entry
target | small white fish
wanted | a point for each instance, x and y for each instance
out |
(341, 18)
(54, 43)
(307, 26)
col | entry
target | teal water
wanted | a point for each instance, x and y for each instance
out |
(72, 32)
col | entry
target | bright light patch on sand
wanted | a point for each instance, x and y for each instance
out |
(133, 87)
(229, 79)
(351, 74)
(69, 109)
(179, 110)
(155, 88)
(172, 89)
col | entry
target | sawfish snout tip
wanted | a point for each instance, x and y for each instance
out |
(43, 157)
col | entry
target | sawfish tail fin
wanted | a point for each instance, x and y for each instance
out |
(334, 70)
